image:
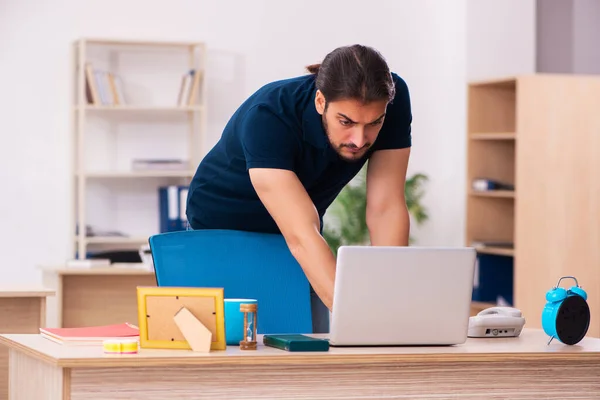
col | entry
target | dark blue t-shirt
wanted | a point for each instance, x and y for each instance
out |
(279, 127)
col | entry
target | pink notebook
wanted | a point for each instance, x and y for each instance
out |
(91, 334)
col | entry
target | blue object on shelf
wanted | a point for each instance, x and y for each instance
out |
(172, 202)
(246, 264)
(494, 278)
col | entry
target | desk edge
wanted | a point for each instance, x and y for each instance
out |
(22, 293)
(12, 345)
(312, 358)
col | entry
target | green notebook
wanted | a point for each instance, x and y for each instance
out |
(295, 342)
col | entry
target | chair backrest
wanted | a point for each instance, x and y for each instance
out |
(246, 265)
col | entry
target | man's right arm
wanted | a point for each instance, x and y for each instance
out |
(287, 201)
(271, 147)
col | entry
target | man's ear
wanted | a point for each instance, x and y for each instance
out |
(320, 102)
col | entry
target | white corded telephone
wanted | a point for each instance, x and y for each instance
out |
(496, 322)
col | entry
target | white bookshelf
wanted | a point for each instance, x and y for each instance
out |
(133, 109)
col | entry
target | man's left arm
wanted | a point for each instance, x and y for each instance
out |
(387, 214)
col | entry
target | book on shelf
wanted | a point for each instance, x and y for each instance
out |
(486, 184)
(91, 335)
(106, 87)
(189, 88)
(160, 164)
(103, 87)
(172, 208)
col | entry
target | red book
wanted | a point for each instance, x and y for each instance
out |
(91, 334)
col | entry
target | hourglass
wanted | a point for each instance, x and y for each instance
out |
(249, 341)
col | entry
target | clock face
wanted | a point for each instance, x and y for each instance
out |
(572, 320)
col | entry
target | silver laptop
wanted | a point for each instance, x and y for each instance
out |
(402, 296)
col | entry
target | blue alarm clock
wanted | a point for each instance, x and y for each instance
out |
(566, 315)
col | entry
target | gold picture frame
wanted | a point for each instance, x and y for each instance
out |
(157, 307)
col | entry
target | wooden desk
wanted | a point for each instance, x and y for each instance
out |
(95, 296)
(22, 310)
(507, 368)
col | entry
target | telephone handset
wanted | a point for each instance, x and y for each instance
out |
(510, 311)
(496, 322)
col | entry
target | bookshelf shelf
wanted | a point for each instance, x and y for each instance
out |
(137, 240)
(522, 132)
(140, 108)
(498, 82)
(509, 194)
(499, 251)
(139, 174)
(493, 136)
(141, 43)
(123, 156)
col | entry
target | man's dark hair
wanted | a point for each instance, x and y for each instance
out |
(354, 72)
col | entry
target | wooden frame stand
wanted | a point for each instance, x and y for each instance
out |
(195, 332)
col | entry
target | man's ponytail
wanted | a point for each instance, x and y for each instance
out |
(313, 68)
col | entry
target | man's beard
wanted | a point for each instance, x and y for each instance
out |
(339, 148)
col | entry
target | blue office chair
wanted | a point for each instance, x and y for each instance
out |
(246, 264)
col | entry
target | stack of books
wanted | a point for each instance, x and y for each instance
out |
(91, 335)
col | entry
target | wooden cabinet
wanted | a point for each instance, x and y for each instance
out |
(541, 134)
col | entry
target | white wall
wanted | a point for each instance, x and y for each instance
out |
(472, 40)
(568, 32)
(555, 32)
(424, 41)
(501, 38)
(586, 30)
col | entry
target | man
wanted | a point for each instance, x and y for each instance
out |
(292, 146)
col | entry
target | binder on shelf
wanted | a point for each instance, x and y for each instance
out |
(172, 208)
(183, 194)
(493, 279)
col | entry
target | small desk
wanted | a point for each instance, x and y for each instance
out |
(524, 368)
(22, 310)
(95, 296)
